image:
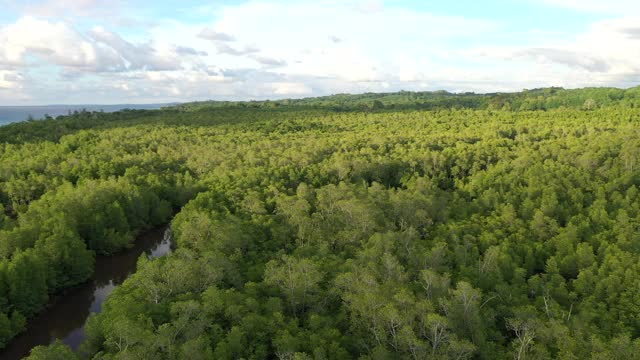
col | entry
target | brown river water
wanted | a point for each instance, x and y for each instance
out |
(67, 312)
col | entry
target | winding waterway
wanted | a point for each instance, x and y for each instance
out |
(66, 314)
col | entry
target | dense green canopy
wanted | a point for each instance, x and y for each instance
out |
(472, 227)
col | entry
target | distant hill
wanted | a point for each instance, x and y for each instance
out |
(535, 99)
(209, 112)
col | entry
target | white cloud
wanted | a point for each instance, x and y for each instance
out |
(607, 54)
(210, 34)
(224, 48)
(137, 56)
(574, 59)
(55, 42)
(32, 42)
(273, 49)
(628, 27)
(298, 32)
(221, 59)
(185, 50)
(270, 62)
(288, 88)
(10, 79)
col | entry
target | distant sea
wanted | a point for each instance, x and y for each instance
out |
(9, 114)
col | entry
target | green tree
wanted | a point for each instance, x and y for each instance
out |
(298, 279)
(56, 351)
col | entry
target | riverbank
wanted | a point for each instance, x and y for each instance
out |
(67, 312)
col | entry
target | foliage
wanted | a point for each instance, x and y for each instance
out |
(483, 229)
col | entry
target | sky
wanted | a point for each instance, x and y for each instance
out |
(117, 51)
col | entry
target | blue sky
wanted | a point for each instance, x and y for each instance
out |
(100, 51)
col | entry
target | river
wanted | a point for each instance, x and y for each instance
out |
(67, 312)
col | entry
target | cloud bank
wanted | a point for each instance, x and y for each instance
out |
(273, 49)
